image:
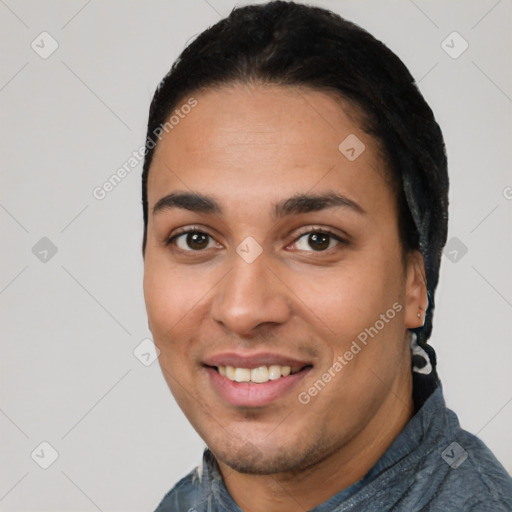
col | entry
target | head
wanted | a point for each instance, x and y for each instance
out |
(295, 198)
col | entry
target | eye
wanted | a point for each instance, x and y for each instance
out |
(319, 241)
(192, 240)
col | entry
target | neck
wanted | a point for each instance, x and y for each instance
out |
(310, 487)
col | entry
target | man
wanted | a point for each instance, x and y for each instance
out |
(295, 206)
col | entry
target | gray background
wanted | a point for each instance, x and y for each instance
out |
(71, 321)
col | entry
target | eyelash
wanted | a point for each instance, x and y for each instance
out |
(309, 231)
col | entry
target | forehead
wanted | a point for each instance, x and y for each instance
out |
(259, 140)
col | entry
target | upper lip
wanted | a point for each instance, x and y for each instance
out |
(241, 360)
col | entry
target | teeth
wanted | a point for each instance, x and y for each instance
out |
(242, 374)
(274, 372)
(259, 374)
(230, 372)
(256, 375)
(285, 371)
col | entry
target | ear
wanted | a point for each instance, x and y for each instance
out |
(416, 300)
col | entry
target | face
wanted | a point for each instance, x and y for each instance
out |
(273, 281)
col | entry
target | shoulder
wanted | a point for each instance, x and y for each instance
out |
(486, 475)
(184, 496)
(469, 475)
(452, 469)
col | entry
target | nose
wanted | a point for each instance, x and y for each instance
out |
(249, 296)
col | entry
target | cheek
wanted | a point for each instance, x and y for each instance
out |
(168, 296)
(177, 299)
(168, 301)
(349, 298)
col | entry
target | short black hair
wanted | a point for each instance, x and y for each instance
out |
(286, 43)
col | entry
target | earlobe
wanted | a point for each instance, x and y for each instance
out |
(416, 299)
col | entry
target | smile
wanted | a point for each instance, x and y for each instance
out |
(258, 375)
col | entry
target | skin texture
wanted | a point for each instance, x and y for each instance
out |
(250, 146)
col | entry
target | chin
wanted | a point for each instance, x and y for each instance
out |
(253, 462)
(250, 459)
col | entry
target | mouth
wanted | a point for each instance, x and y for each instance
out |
(258, 375)
(254, 381)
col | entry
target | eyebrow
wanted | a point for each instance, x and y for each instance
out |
(297, 204)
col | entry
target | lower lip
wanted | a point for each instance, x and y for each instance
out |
(246, 394)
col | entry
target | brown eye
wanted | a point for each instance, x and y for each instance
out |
(197, 240)
(192, 241)
(318, 241)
